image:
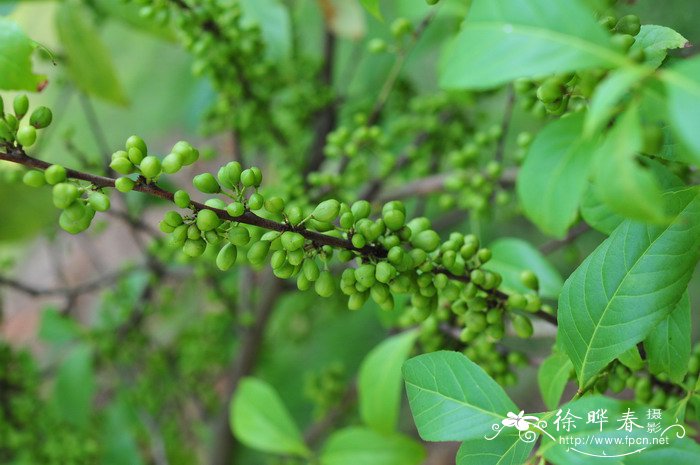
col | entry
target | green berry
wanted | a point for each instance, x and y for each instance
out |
(361, 209)
(135, 155)
(21, 105)
(150, 167)
(550, 91)
(310, 269)
(258, 252)
(207, 220)
(124, 184)
(385, 272)
(206, 183)
(427, 240)
(274, 205)
(122, 165)
(628, 24)
(181, 199)
(325, 284)
(64, 194)
(55, 174)
(235, 209)
(248, 178)
(377, 45)
(365, 274)
(41, 117)
(258, 175)
(529, 279)
(522, 326)
(26, 136)
(238, 235)
(99, 201)
(292, 240)
(516, 301)
(194, 247)
(622, 42)
(327, 211)
(34, 178)
(394, 219)
(172, 163)
(226, 257)
(187, 153)
(138, 143)
(256, 201)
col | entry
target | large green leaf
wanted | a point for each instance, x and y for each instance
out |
(668, 345)
(683, 452)
(506, 449)
(260, 420)
(373, 7)
(683, 87)
(626, 186)
(273, 18)
(628, 285)
(452, 398)
(379, 382)
(363, 446)
(553, 177)
(75, 386)
(88, 60)
(507, 39)
(552, 377)
(16, 58)
(511, 256)
(656, 41)
(608, 95)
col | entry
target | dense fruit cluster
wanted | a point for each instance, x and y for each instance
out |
(11, 128)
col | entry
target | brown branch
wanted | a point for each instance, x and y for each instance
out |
(67, 291)
(318, 430)
(573, 234)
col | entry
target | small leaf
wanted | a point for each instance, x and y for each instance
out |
(619, 177)
(507, 39)
(373, 7)
(75, 387)
(88, 61)
(16, 59)
(362, 446)
(260, 420)
(452, 398)
(656, 41)
(668, 345)
(379, 382)
(628, 285)
(683, 86)
(510, 257)
(506, 448)
(552, 378)
(553, 177)
(608, 95)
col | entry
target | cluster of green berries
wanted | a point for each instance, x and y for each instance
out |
(325, 388)
(11, 129)
(500, 363)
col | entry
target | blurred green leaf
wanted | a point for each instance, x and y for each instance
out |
(260, 420)
(506, 448)
(87, 59)
(668, 344)
(656, 41)
(552, 377)
(373, 7)
(362, 446)
(273, 18)
(508, 39)
(684, 451)
(57, 328)
(683, 86)
(632, 359)
(119, 446)
(16, 59)
(75, 387)
(511, 256)
(16, 223)
(379, 382)
(607, 97)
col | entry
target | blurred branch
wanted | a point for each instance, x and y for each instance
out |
(318, 430)
(573, 234)
(65, 291)
(505, 124)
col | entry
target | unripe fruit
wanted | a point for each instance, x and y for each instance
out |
(238, 235)
(292, 240)
(278, 259)
(122, 165)
(194, 247)
(138, 143)
(550, 91)
(394, 219)
(529, 279)
(522, 326)
(365, 275)
(361, 209)
(357, 300)
(188, 154)
(258, 175)
(629, 24)
(226, 257)
(55, 174)
(135, 155)
(207, 220)
(26, 136)
(248, 178)
(310, 269)
(150, 167)
(622, 42)
(34, 178)
(376, 45)
(181, 199)
(193, 232)
(258, 252)
(206, 183)
(233, 171)
(256, 201)
(99, 201)
(21, 105)
(396, 255)
(75, 211)
(401, 26)
(41, 117)
(427, 240)
(172, 163)
(516, 301)
(327, 210)
(173, 218)
(124, 184)
(384, 272)
(235, 209)
(274, 205)
(303, 284)
(64, 194)
(325, 284)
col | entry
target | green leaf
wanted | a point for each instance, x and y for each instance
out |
(75, 387)
(373, 7)
(16, 59)
(553, 177)
(656, 41)
(683, 87)
(607, 97)
(363, 446)
(260, 420)
(620, 178)
(511, 256)
(57, 328)
(507, 39)
(118, 445)
(552, 377)
(88, 61)
(506, 449)
(684, 451)
(668, 345)
(273, 18)
(452, 398)
(379, 382)
(632, 359)
(628, 285)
